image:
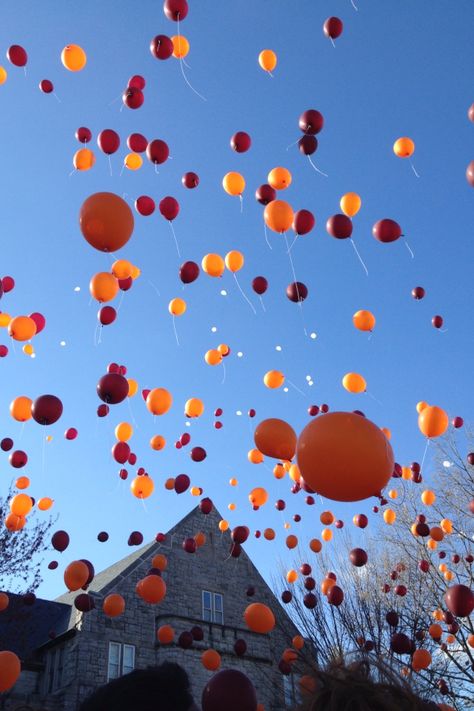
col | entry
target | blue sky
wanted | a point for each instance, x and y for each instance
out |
(398, 69)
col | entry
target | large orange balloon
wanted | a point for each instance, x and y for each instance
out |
(267, 60)
(103, 287)
(213, 264)
(152, 589)
(180, 46)
(364, 320)
(211, 660)
(275, 438)
(177, 306)
(76, 575)
(258, 496)
(21, 328)
(106, 221)
(344, 457)
(10, 668)
(234, 261)
(20, 408)
(279, 178)
(14, 522)
(278, 216)
(259, 618)
(350, 204)
(404, 147)
(113, 605)
(21, 504)
(354, 383)
(194, 407)
(123, 431)
(159, 401)
(142, 487)
(83, 159)
(273, 379)
(233, 183)
(157, 442)
(165, 634)
(122, 269)
(73, 58)
(433, 421)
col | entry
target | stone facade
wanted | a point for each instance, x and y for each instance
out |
(76, 662)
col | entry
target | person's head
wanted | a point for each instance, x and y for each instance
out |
(162, 688)
(357, 687)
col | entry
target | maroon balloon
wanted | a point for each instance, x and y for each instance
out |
(286, 596)
(335, 596)
(47, 409)
(470, 458)
(470, 173)
(145, 205)
(91, 570)
(235, 550)
(108, 141)
(84, 602)
(252, 412)
(71, 433)
(358, 557)
(8, 284)
(400, 643)
(133, 98)
(437, 321)
(60, 541)
(231, 690)
(459, 600)
(120, 452)
(135, 538)
(361, 521)
(311, 121)
(206, 506)
(313, 410)
(457, 422)
(189, 272)
(137, 142)
(240, 142)
(392, 618)
(333, 27)
(103, 410)
(83, 134)
(185, 438)
(17, 55)
(297, 291)
(46, 86)
(161, 47)
(157, 151)
(106, 315)
(3, 351)
(197, 633)
(112, 388)
(125, 284)
(305, 569)
(169, 208)
(303, 222)
(189, 545)
(175, 9)
(386, 230)
(39, 320)
(18, 459)
(308, 144)
(185, 640)
(198, 454)
(310, 600)
(418, 292)
(6, 444)
(137, 82)
(190, 180)
(53, 565)
(240, 534)
(339, 226)
(181, 483)
(400, 590)
(240, 647)
(265, 194)
(259, 285)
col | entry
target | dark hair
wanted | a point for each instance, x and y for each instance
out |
(162, 688)
(353, 688)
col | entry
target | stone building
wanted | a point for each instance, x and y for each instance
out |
(207, 589)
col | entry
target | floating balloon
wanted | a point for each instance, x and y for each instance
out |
(213, 265)
(47, 409)
(364, 320)
(308, 145)
(106, 221)
(10, 667)
(83, 159)
(259, 618)
(234, 261)
(60, 541)
(229, 689)
(189, 272)
(180, 46)
(73, 58)
(386, 230)
(177, 306)
(83, 134)
(278, 216)
(103, 287)
(459, 600)
(311, 121)
(76, 575)
(159, 401)
(470, 173)
(273, 379)
(17, 56)
(142, 487)
(157, 151)
(265, 194)
(275, 438)
(106, 315)
(145, 205)
(404, 147)
(259, 285)
(112, 388)
(161, 47)
(233, 183)
(350, 204)
(108, 141)
(133, 161)
(303, 222)
(46, 86)
(297, 291)
(279, 178)
(133, 98)
(20, 408)
(354, 383)
(22, 328)
(339, 226)
(175, 10)
(333, 27)
(433, 421)
(169, 208)
(267, 60)
(240, 142)
(194, 407)
(190, 180)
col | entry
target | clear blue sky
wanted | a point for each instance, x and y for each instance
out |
(400, 68)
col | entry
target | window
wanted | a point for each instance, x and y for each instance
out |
(55, 669)
(121, 660)
(212, 607)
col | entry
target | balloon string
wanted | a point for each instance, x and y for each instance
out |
(295, 387)
(360, 258)
(188, 82)
(175, 331)
(354, 5)
(175, 240)
(97, 326)
(153, 286)
(317, 169)
(43, 455)
(156, 169)
(244, 294)
(270, 74)
(72, 172)
(263, 305)
(332, 42)
(117, 98)
(223, 377)
(424, 455)
(57, 97)
(409, 249)
(300, 305)
(123, 168)
(291, 246)
(120, 301)
(266, 235)
(99, 340)
(373, 398)
(110, 165)
(241, 204)
(414, 169)
(131, 413)
(22, 429)
(293, 144)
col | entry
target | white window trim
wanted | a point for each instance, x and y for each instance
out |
(121, 667)
(213, 610)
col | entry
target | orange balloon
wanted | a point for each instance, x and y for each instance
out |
(354, 383)
(223, 525)
(132, 387)
(435, 631)
(233, 183)
(387, 432)
(159, 401)
(14, 522)
(428, 497)
(278, 471)
(269, 534)
(76, 575)
(142, 487)
(275, 438)
(279, 178)
(165, 634)
(73, 57)
(83, 159)
(326, 535)
(470, 641)
(169, 484)
(340, 442)
(133, 161)
(213, 357)
(4, 601)
(446, 525)
(151, 589)
(22, 482)
(298, 642)
(21, 328)
(421, 659)
(326, 585)
(315, 545)
(213, 264)
(291, 542)
(180, 46)
(278, 216)
(194, 407)
(267, 60)
(234, 261)
(10, 669)
(200, 539)
(159, 561)
(406, 473)
(123, 431)
(103, 287)
(106, 221)
(157, 442)
(431, 544)
(294, 473)
(113, 605)
(289, 656)
(258, 496)
(364, 320)
(211, 660)
(122, 269)
(223, 349)
(350, 204)
(404, 147)
(45, 503)
(421, 406)
(433, 421)
(259, 618)
(389, 516)
(177, 306)
(327, 518)
(21, 504)
(4, 319)
(20, 408)
(255, 456)
(437, 533)
(273, 379)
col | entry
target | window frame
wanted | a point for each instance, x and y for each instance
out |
(120, 665)
(55, 669)
(216, 612)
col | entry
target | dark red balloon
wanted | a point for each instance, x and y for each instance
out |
(84, 602)
(206, 506)
(83, 134)
(422, 529)
(286, 596)
(157, 151)
(311, 121)
(198, 454)
(8, 284)
(335, 596)
(265, 194)
(392, 618)
(137, 82)
(400, 643)
(333, 27)
(259, 285)
(137, 142)
(181, 483)
(90, 567)
(297, 291)
(339, 226)
(3, 351)
(189, 272)
(60, 541)
(310, 600)
(240, 142)
(358, 557)
(135, 538)
(459, 600)
(308, 144)
(145, 205)
(437, 321)
(252, 412)
(240, 534)
(190, 180)
(457, 422)
(361, 521)
(175, 9)
(112, 388)
(103, 410)
(189, 545)
(6, 444)
(185, 640)
(313, 410)
(125, 284)
(17, 55)
(231, 690)
(106, 315)
(108, 141)
(120, 452)
(169, 208)
(240, 647)
(71, 433)
(18, 459)
(197, 633)
(161, 47)
(185, 438)
(47, 409)
(303, 222)
(39, 320)
(418, 292)
(46, 86)
(133, 98)
(386, 230)
(53, 565)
